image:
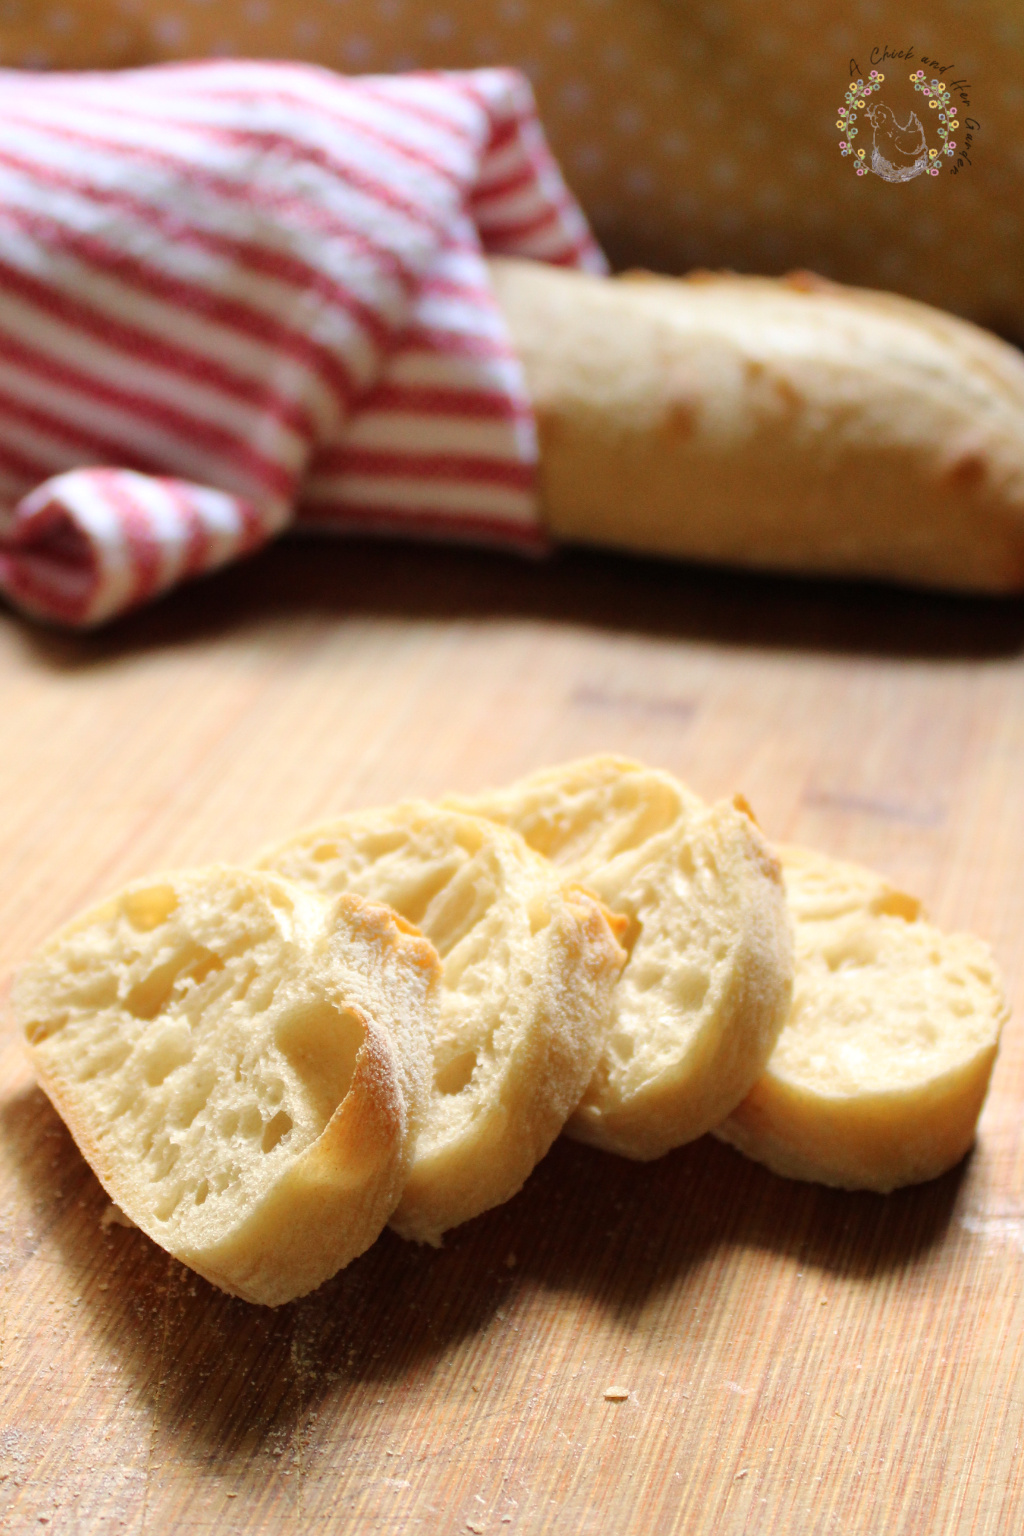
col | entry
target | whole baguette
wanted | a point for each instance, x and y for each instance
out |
(786, 424)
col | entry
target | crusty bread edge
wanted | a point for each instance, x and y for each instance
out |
(332, 1203)
(334, 1200)
(958, 496)
(512, 1139)
(879, 1141)
(677, 1107)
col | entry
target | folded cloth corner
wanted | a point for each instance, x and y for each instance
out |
(239, 296)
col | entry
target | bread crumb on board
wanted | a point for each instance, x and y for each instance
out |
(113, 1216)
(616, 1394)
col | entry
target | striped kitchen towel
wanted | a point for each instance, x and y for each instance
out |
(238, 296)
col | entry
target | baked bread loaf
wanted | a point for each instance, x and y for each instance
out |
(706, 988)
(879, 1076)
(529, 966)
(788, 424)
(245, 1066)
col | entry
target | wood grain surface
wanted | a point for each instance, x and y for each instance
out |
(797, 1360)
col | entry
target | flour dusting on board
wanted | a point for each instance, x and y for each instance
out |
(1001, 1230)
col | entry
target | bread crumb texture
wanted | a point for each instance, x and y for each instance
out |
(880, 1073)
(706, 988)
(393, 1015)
(243, 1064)
(529, 965)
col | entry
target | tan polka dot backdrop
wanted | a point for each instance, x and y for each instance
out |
(695, 134)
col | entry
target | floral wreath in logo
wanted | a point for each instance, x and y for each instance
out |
(939, 101)
(857, 99)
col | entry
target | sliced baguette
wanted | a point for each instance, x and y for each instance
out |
(706, 988)
(879, 1076)
(244, 1065)
(529, 965)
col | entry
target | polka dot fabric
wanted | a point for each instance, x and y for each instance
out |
(694, 134)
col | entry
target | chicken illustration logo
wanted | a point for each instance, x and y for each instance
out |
(899, 148)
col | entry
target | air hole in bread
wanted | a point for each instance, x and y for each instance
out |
(453, 901)
(540, 913)
(41, 1029)
(275, 1131)
(168, 1202)
(149, 995)
(250, 1121)
(634, 928)
(152, 993)
(162, 1159)
(147, 909)
(639, 829)
(321, 1041)
(457, 1074)
(242, 990)
(191, 1097)
(205, 963)
(202, 1190)
(170, 1048)
(851, 950)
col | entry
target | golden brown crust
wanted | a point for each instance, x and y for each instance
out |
(789, 424)
(705, 991)
(529, 966)
(541, 1084)
(683, 1100)
(329, 1207)
(879, 1141)
(243, 1064)
(881, 1071)
(332, 1204)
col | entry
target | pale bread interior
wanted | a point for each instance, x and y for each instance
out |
(244, 1065)
(706, 987)
(879, 1075)
(528, 966)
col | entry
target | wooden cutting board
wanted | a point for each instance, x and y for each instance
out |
(797, 1360)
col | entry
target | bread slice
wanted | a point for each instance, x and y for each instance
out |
(881, 1071)
(706, 988)
(244, 1065)
(529, 966)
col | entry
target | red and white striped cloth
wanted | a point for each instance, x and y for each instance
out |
(235, 294)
